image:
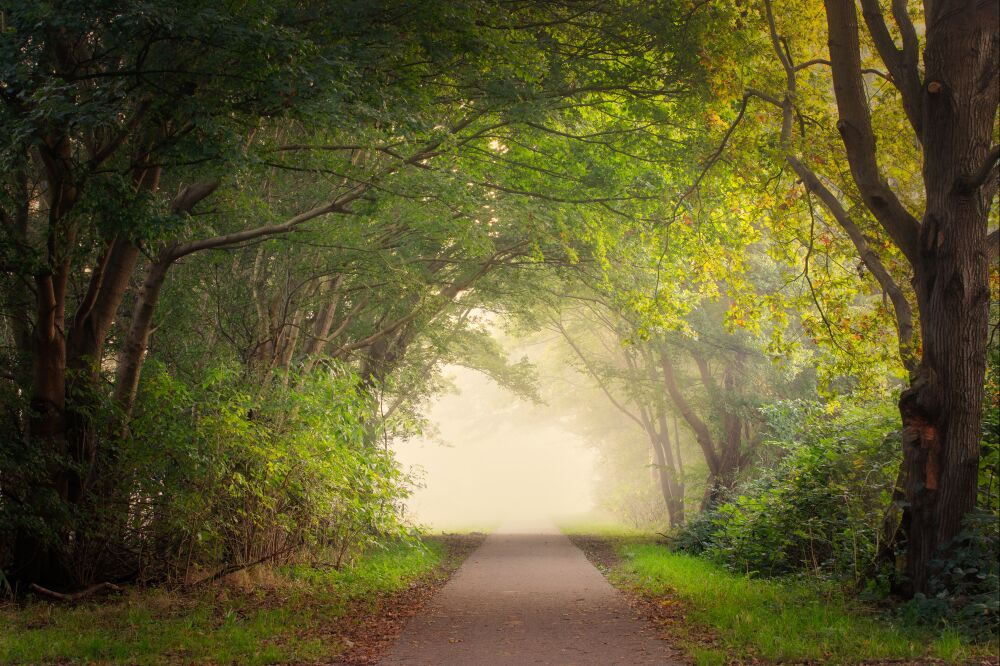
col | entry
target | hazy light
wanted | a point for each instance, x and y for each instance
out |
(496, 459)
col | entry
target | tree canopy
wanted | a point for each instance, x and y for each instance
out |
(240, 242)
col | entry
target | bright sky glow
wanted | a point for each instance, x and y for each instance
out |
(496, 459)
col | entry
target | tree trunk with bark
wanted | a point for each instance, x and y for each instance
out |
(667, 468)
(952, 112)
(942, 409)
(133, 352)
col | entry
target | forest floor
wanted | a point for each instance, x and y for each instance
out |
(296, 614)
(717, 617)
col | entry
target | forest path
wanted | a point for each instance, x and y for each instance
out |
(528, 596)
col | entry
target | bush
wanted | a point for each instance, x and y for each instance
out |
(697, 534)
(217, 475)
(820, 507)
(964, 583)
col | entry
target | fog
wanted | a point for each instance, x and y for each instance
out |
(495, 459)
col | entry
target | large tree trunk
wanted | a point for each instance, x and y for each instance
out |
(85, 352)
(48, 390)
(952, 115)
(942, 409)
(37, 558)
(96, 315)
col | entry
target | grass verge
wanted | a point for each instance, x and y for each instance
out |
(720, 617)
(295, 614)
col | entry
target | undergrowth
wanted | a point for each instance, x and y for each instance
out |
(291, 615)
(777, 620)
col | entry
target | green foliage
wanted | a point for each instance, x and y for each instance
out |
(224, 476)
(820, 507)
(31, 506)
(378, 571)
(989, 460)
(488, 153)
(698, 534)
(964, 588)
(820, 510)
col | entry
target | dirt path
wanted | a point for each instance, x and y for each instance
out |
(528, 597)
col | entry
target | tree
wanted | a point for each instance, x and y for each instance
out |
(898, 114)
(141, 139)
(648, 411)
(952, 110)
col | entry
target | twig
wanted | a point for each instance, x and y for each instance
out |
(73, 597)
(233, 568)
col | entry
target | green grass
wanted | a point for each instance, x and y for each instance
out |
(294, 621)
(772, 620)
(600, 526)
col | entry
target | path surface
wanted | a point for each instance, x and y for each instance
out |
(528, 597)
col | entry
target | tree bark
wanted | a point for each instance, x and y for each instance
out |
(948, 251)
(93, 321)
(133, 353)
(700, 429)
(35, 558)
(671, 486)
(942, 409)
(323, 323)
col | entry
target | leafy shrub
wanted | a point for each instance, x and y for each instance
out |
(989, 462)
(220, 475)
(964, 582)
(697, 535)
(820, 507)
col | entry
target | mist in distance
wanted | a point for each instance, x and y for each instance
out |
(496, 459)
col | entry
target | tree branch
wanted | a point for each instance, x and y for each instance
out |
(338, 205)
(902, 64)
(191, 195)
(108, 149)
(823, 61)
(73, 597)
(714, 157)
(701, 431)
(900, 304)
(856, 129)
(593, 373)
(980, 176)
